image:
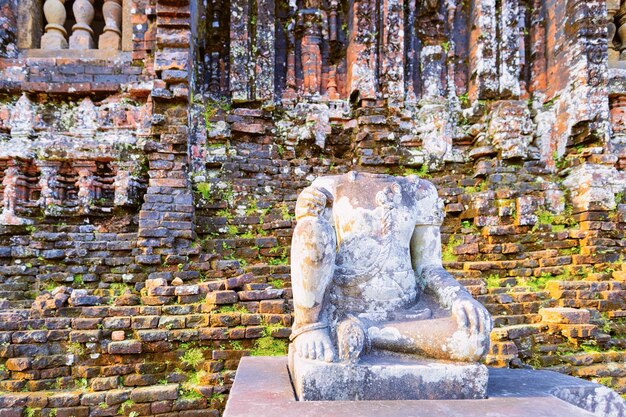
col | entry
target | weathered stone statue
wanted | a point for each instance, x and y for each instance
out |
(368, 279)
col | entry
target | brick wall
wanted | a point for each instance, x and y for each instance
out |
(143, 303)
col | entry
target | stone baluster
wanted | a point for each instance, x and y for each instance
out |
(55, 36)
(214, 73)
(82, 33)
(111, 37)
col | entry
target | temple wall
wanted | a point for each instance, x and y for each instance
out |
(148, 191)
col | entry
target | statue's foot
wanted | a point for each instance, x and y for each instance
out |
(352, 339)
(315, 345)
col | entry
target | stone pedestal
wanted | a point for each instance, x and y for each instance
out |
(262, 388)
(387, 377)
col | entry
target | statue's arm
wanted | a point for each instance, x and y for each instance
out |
(426, 260)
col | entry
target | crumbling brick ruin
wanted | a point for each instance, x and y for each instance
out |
(151, 152)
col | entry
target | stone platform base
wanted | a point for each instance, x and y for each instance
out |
(387, 377)
(262, 388)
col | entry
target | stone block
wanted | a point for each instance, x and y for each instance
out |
(125, 347)
(72, 411)
(222, 297)
(64, 399)
(256, 295)
(155, 393)
(386, 377)
(272, 306)
(564, 315)
(18, 364)
(117, 335)
(152, 335)
(104, 384)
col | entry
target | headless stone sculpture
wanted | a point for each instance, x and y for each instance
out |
(372, 299)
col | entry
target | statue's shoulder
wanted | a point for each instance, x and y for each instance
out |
(423, 188)
(329, 183)
(430, 208)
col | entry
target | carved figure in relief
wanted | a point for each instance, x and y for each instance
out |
(14, 188)
(367, 274)
(10, 181)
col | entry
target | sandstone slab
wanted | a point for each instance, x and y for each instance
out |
(387, 377)
(262, 388)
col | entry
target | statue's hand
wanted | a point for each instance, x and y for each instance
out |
(315, 345)
(472, 316)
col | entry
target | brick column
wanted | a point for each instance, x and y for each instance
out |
(166, 219)
(483, 82)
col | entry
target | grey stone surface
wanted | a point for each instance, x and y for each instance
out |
(387, 377)
(262, 388)
(366, 247)
(368, 279)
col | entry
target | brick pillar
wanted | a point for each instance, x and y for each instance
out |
(265, 51)
(483, 82)
(392, 51)
(509, 49)
(576, 52)
(361, 55)
(166, 219)
(252, 54)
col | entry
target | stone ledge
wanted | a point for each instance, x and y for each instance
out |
(379, 377)
(262, 388)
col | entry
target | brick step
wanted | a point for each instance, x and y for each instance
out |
(587, 358)
(599, 276)
(610, 369)
(514, 308)
(19, 304)
(523, 297)
(174, 399)
(516, 319)
(475, 290)
(616, 314)
(595, 286)
(459, 274)
(515, 331)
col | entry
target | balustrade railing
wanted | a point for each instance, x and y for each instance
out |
(82, 36)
